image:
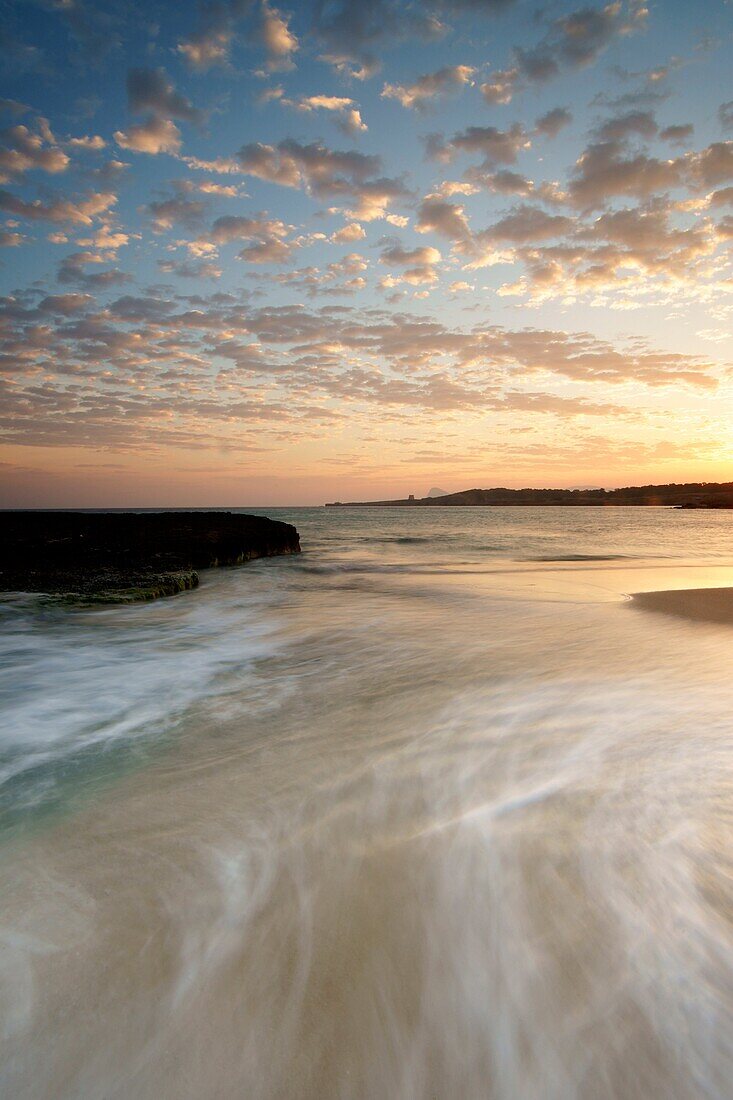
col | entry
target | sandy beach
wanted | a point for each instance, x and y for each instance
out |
(704, 605)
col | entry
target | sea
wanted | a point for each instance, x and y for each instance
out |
(431, 811)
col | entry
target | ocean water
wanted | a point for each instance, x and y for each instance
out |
(430, 811)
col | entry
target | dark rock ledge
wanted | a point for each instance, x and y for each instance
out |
(120, 557)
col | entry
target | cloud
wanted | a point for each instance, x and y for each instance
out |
(10, 239)
(419, 264)
(106, 238)
(605, 170)
(437, 215)
(349, 118)
(72, 269)
(318, 357)
(501, 86)
(278, 40)
(340, 278)
(111, 172)
(352, 123)
(527, 223)
(503, 182)
(641, 123)
(80, 212)
(713, 165)
(65, 304)
(351, 232)
(325, 173)
(324, 103)
(576, 40)
(91, 141)
(14, 107)
(23, 150)
(551, 123)
(572, 41)
(430, 86)
(211, 44)
(166, 213)
(351, 31)
(206, 49)
(494, 145)
(294, 366)
(156, 135)
(677, 134)
(291, 164)
(725, 115)
(185, 269)
(268, 237)
(621, 258)
(151, 90)
(723, 197)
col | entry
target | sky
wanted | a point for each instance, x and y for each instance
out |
(277, 254)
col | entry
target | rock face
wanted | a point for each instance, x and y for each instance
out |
(114, 557)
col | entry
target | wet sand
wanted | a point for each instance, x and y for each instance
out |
(704, 605)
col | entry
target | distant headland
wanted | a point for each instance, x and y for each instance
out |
(701, 494)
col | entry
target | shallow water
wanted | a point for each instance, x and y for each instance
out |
(430, 811)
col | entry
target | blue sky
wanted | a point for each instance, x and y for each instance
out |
(260, 253)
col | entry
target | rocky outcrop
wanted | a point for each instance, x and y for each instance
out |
(114, 557)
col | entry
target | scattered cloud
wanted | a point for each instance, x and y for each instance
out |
(550, 124)
(633, 123)
(23, 149)
(156, 135)
(725, 115)
(166, 213)
(214, 296)
(346, 176)
(74, 212)
(495, 146)
(429, 87)
(418, 264)
(151, 90)
(279, 41)
(678, 134)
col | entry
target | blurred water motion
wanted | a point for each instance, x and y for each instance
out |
(430, 812)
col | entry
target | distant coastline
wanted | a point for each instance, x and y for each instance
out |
(690, 495)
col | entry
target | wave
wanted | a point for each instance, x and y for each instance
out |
(75, 686)
(579, 557)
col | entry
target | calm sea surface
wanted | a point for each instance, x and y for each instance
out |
(430, 811)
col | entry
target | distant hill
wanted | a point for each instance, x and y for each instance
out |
(438, 493)
(693, 495)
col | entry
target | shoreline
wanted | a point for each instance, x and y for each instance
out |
(702, 605)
